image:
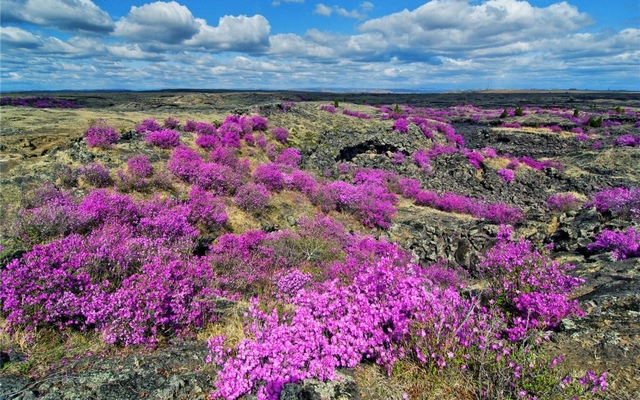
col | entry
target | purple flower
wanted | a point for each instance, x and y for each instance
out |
(506, 174)
(164, 139)
(102, 135)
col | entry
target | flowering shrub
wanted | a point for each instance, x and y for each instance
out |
(401, 125)
(499, 213)
(219, 178)
(189, 126)
(253, 197)
(289, 157)
(148, 125)
(622, 244)
(230, 134)
(270, 176)
(225, 155)
(529, 286)
(451, 202)
(140, 167)
(259, 123)
(343, 168)
(102, 135)
(67, 176)
(421, 159)
(398, 157)
(409, 188)
(47, 213)
(208, 142)
(628, 140)
(334, 326)
(261, 142)
(124, 273)
(562, 202)
(356, 114)
(280, 134)
(206, 209)
(290, 283)
(302, 182)
(203, 128)
(171, 123)
(372, 204)
(620, 201)
(95, 174)
(38, 102)
(164, 139)
(328, 108)
(185, 163)
(506, 174)
(249, 139)
(474, 157)
(540, 165)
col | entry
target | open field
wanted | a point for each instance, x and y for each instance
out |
(373, 225)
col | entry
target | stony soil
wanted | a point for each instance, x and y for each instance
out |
(34, 141)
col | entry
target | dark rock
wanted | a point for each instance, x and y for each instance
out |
(312, 389)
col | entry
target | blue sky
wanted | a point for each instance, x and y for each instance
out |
(435, 45)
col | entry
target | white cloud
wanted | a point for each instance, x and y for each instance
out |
(326, 11)
(241, 33)
(443, 44)
(449, 27)
(348, 14)
(162, 22)
(65, 15)
(366, 6)
(323, 10)
(16, 37)
(133, 52)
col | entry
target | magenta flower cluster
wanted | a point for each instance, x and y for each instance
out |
(401, 125)
(101, 135)
(124, 270)
(563, 202)
(619, 201)
(38, 102)
(622, 245)
(356, 114)
(532, 287)
(328, 108)
(148, 125)
(506, 174)
(628, 140)
(165, 139)
(95, 174)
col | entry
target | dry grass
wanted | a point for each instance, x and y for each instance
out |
(409, 380)
(496, 163)
(48, 347)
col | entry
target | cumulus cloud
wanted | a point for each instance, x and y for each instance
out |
(440, 45)
(162, 22)
(134, 52)
(66, 15)
(323, 10)
(326, 11)
(241, 33)
(457, 26)
(18, 38)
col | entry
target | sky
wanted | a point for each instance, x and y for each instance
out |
(436, 45)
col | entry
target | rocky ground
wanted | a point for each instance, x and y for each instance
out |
(34, 141)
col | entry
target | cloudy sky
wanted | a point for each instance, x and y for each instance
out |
(435, 45)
